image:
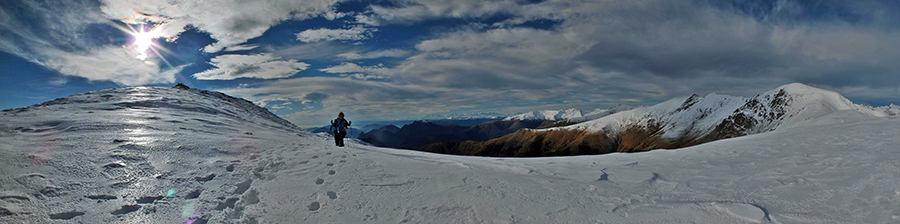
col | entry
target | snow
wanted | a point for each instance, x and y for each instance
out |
(698, 116)
(553, 115)
(572, 114)
(165, 155)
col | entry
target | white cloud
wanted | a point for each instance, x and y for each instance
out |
(414, 11)
(362, 76)
(392, 53)
(324, 34)
(364, 19)
(231, 22)
(262, 66)
(242, 47)
(110, 63)
(353, 70)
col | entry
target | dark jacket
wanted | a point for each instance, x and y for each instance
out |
(339, 125)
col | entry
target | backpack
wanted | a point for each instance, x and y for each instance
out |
(339, 124)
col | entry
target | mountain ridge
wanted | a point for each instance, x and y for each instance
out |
(572, 115)
(418, 133)
(676, 123)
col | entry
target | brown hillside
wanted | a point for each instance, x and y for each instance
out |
(530, 143)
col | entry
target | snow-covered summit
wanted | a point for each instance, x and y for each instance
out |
(722, 116)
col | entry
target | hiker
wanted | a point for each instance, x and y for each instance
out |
(339, 127)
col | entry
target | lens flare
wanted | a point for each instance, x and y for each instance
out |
(187, 210)
(144, 41)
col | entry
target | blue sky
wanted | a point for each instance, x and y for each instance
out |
(379, 60)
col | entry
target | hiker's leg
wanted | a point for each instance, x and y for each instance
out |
(337, 138)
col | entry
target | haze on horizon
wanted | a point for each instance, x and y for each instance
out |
(380, 60)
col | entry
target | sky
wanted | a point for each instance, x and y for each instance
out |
(381, 60)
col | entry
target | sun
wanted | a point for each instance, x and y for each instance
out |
(144, 41)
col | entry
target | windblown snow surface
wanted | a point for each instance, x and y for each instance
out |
(168, 155)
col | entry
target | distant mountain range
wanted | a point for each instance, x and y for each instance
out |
(419, 133)
(480, 126)
(465, 116)
(352, 133)
(571, 115)
(676, 123)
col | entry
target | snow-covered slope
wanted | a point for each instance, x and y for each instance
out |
(720, 116)
(137, 155)
(125, 155)
(464, 116)
(571, 115)
(554, 115)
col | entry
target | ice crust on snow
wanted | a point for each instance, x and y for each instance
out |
(165, 155)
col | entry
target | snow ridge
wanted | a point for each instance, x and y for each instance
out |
(570, 115)
(730, 116)
(178, 99)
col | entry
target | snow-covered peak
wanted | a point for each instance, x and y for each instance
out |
(464, 116)
(571, 115)
(554, 115)
(723, 116)
(598, 113)
(794, 104)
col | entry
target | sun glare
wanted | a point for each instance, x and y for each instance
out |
(143, 42)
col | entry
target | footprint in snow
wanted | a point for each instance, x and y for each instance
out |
(66, 215)
(126, 209)
(243, 186)
(206, 178)
(228, 203)
(194, 194)
(314, 206)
